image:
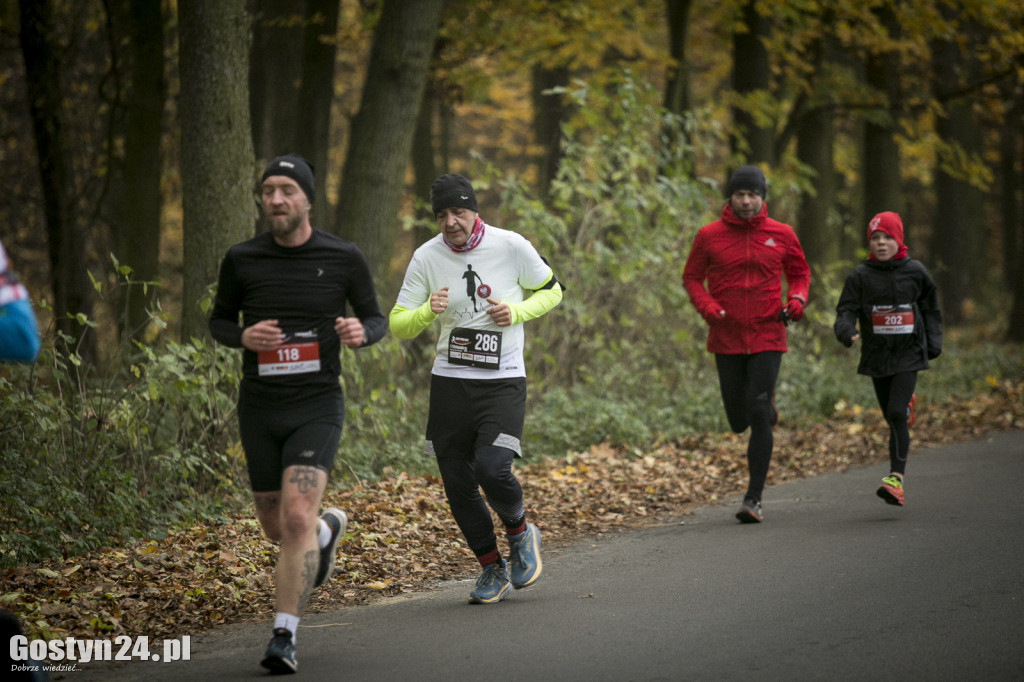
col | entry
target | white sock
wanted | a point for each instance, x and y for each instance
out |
(324, 535)
(288, 622)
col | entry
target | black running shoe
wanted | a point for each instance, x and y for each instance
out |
(750, 511)
(279, 657)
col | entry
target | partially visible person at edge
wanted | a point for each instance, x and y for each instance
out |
(19, 336)
(25, 669)
(293, 285)
(19, 342)
(893, 302)
(478, 381)
(741, 256)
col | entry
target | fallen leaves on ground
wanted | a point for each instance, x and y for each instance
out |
(401, 537)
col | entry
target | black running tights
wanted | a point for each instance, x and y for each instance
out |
(894, 393)
(748, 384)
(491, 470)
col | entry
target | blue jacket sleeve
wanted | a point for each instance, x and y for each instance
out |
(19, 338)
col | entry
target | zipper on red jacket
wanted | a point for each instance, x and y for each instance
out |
(747, 331)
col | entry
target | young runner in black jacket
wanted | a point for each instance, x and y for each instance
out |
(890, 303)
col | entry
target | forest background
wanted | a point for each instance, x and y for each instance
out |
(134, 132)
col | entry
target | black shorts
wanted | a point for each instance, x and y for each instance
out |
(466, 414)
(277, 438)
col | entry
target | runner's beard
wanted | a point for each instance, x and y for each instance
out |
(282, 226)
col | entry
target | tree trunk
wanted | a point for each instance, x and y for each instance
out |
(424, 169)
(881, 158)
(549, 111)
(217, 168)
(750, 74)
(72, 290)
(446, 132)
(677, 85)
(276, 76)
(1013, 215)
(136, 225)
(952, 273)
(962, 262)
(814, 148)
(676, 98)
(315, 96)
(1015, 330)
(1011, 206)
(381, 135)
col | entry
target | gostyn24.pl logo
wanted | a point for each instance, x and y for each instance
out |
(26, 651)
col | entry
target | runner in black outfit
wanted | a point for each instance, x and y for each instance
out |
(890, 304)
(292, 286)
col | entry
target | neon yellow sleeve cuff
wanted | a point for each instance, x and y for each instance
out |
(406, 324)
(539, 303)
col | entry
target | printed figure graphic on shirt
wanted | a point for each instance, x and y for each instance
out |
(478, 382)
(471, 289)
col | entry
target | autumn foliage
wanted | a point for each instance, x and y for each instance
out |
(401, 537)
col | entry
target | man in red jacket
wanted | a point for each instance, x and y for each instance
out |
(741, 256)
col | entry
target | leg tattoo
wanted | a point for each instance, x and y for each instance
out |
(310, 565)
(306, 478)
(267, 503)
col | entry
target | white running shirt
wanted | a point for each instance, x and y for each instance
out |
(502, 267)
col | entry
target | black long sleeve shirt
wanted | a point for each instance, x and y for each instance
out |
(304, 288)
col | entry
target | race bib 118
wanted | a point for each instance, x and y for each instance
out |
(290, 358)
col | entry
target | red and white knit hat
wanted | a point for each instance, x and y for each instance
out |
(889, 223)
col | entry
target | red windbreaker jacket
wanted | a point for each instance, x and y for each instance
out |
(742, 261)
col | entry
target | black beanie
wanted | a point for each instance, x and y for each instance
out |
(452, 191)
(749, 178)
(296, 168)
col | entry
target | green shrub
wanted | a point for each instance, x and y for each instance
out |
(89, 460)
(385, 411)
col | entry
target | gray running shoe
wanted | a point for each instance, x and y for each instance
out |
(524, 561)
(492, 586)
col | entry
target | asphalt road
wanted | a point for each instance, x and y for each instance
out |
(834, 585)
